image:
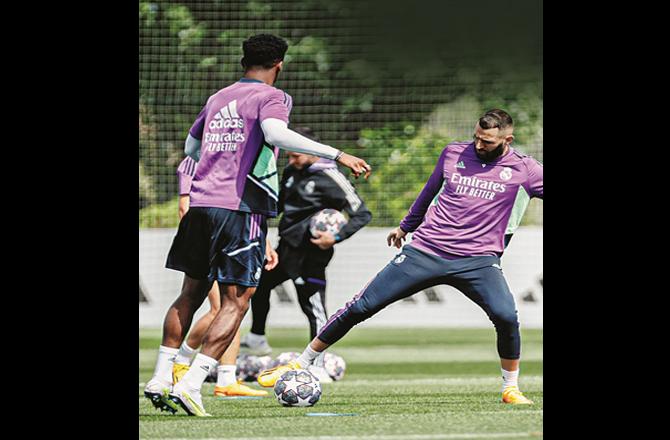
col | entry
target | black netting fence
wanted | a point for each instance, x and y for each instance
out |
(388, 82)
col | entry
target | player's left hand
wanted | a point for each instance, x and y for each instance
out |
(324, 241)
(271, 258)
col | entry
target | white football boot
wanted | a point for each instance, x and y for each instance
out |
(189, 399)
(320, 373)
(157, 392)
(256, 345)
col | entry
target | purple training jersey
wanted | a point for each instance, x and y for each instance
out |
(475, 202)
(185, 172)
(237, 168)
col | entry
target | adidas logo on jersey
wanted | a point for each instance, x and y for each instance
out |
(227, 117)
(460, 164)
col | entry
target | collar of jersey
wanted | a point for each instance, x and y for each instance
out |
(249, 80)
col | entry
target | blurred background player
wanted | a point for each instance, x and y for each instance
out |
(458, 240)
(222, 237)
(309, 184)
(226, 380)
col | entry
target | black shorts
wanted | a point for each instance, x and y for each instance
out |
(220, 244)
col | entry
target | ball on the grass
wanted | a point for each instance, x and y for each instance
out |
(297, 388)
(248, 366)
(285, 357)
(334, 365)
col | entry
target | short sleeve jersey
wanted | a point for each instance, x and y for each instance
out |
(237, 168)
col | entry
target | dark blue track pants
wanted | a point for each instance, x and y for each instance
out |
(412, 270)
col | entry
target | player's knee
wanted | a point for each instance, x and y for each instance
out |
(362, 310)
(240, 307)
(508, 320)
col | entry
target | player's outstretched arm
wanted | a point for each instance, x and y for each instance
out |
(277, 133)
(396, 237)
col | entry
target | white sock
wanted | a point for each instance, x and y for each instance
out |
(319, 360)
(185, 354)
(307, 357)
(225, 375)
(510, 378)
(163, 370)
(254, 338)
(200, 368)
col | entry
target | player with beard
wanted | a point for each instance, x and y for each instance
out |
(459, 222)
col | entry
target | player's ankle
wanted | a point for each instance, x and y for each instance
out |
(510, 378)
(307, 357)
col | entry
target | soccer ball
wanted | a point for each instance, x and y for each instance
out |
(327, 220)
(297, 388)
(334, 365)
(248, 366)
(285, 357)
(263, 363)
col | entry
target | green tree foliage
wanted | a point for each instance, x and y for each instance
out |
(395, 105)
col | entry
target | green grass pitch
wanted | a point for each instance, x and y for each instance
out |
(413, 384)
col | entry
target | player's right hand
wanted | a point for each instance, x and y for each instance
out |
(356, 165)
(271, 256)
(396, 237)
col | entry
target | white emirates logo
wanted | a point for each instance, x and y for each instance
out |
(229, 121)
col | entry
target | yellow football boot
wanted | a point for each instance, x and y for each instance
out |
(512, 395)
(267, 378)
(238, 389)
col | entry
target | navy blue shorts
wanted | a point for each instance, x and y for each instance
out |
(220, 244)
(412, 270)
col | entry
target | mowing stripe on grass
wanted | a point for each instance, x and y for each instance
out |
(465, 435)
(528, 380)
(439, 381)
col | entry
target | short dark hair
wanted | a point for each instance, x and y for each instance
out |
(263, 50)
(307, 132)
(496, 118)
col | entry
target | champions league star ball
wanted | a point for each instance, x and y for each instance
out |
(297, 388)
(248, 366)
(334, 365)
(327, 220)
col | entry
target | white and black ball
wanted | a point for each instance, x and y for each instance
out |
(297, 388)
